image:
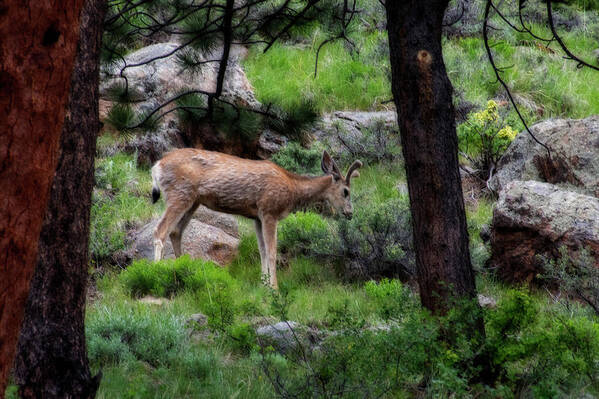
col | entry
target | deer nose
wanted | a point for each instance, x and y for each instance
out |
(348, 215)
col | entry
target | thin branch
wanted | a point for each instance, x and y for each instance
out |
(499, 79)
(559, 40)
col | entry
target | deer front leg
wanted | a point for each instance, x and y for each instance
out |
(269, 231)
(260, 239)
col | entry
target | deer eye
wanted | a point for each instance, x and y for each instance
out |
(345, 192)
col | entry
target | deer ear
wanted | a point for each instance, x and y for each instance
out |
(328, 165)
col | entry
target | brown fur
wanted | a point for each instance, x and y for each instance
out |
(259, 190)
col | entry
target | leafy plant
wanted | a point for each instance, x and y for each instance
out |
(483, 138)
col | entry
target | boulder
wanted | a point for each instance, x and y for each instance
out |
(574, 162)
(287, 336)
(223, 221)
(341, 132)
(532, 220)
(200, 240)
(155, 82)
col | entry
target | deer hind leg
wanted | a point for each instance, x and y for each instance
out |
(261, 248)
(177, 234)
(173, 214)
(269, 232)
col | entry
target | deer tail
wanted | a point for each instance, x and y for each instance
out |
(155, 182)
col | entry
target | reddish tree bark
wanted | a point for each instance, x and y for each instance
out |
(37, 52)
(423, 96)
(51, 360)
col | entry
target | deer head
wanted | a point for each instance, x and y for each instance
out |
(338, 194)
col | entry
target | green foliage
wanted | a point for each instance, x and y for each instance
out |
(121, 116)
(377, 241)
(192, 108)
(484, 137)
(391, 297)
(575, 275)
(305, 272)
(171, 276)
(297, 159)
(305, 233)
(119, 200)
(285, 75)
(243, 337)
(121, 334)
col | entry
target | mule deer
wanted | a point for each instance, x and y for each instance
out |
(259, 190)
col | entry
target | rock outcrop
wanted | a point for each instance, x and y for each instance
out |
(209, 235)
(152, 83)
(532, 220)
(574, 162)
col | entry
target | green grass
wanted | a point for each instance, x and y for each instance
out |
(285, 75)
(121, 199)
(553, 83)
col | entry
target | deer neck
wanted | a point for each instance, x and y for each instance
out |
(310, 190)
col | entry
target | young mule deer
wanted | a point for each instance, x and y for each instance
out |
(259, 190)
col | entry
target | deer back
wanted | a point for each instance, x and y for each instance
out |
(226, 183)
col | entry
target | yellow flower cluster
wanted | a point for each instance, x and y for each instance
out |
(489, 114)
(507, 133)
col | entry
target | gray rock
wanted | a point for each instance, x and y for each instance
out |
(532, 220)
(287, 335)
(487, 302)
(223, 221)
(198, 319)
(575, 156)
(200, 241)
(160, 80)
(270, 143)
(151, 300)
(351, 124)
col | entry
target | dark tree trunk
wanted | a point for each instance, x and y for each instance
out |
(37, 52)
(51, 359)
(423, 96)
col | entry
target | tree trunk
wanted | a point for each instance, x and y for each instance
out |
(423, 96)
(37, 52)
(51, 359)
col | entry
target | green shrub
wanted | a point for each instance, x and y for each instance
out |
(169, 277)
(305, 233)
(575, 275)
(483, 138)
(377, 241)
(298, 159)
(123, 334)
(305, 272)
(120, 200)
(392, 298)
(243, 337)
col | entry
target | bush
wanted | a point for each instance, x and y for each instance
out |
(392, 298)
(377, 241)
(119, 201)
(121, 334)
(169, 277)
(575, 275)
(305, 233)
(483, 138)
(298, 159)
